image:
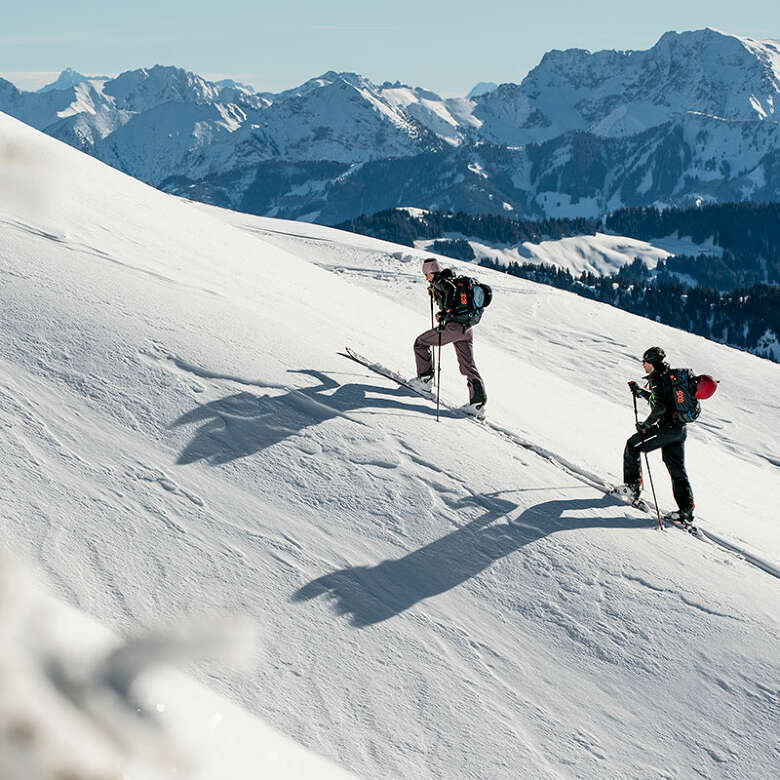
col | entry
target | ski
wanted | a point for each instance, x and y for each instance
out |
(382, 371)
(689, 527)
(643, 506)
(637, 503)
(388, 374)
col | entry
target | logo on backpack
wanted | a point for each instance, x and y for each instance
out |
(472, 298)
(684, 384)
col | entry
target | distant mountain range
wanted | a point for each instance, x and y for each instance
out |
(695, 119)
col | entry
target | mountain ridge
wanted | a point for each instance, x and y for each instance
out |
(691, 119)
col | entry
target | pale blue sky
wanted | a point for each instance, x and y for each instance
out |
(444, 46)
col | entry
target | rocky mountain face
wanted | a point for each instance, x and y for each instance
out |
(616, 94)
(693, 119)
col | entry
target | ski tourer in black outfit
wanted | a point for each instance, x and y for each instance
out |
(661, 430)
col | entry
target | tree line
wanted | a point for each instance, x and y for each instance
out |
(748, 234)
(733, 298)
(741, 318)
(401, 227)
(743, 228)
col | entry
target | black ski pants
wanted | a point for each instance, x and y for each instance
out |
(671, 442)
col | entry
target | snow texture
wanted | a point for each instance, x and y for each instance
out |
(179, 436)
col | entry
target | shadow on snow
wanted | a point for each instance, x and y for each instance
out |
(244, 424)
(371, 594)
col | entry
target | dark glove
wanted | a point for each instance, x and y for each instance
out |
(643, 428)
(635, 389)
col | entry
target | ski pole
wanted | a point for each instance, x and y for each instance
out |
(438, 380)
(647, 464)
(430, 295)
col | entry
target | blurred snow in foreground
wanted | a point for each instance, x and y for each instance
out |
(78, 704)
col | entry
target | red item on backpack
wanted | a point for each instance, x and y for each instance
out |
(705, 386)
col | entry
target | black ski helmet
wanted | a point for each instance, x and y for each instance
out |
(655, 356)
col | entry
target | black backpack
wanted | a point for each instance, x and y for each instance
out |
(683, 384)
(471, 299)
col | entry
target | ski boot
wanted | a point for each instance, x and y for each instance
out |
(422, 383)
(683, 518)
(629, 490)
(476, 409)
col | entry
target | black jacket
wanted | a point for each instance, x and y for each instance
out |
(444, 291)
(659, 395)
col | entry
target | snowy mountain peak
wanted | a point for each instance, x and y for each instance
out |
(70, 78)
(622, 93)
(142, 89)
(233, 84)
(323, 81)
(721, 51)
(483, 88)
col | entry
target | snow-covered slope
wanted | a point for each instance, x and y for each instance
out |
(601, 254)
(449, 119)
(179, 434)
(344, 118)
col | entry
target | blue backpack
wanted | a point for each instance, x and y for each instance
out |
(471, 300)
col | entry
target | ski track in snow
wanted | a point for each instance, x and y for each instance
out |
(594, 481)
(367, 269)
(489, 506)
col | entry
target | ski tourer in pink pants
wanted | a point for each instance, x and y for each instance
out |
(456, 333)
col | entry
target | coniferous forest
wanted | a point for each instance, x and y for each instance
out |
(741, 318)
(733, 299)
